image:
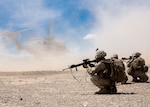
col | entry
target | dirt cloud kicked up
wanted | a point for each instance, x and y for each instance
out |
(121, 27)
(34, 56)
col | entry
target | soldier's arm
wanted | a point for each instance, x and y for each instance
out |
(130, 63)
(98, 68)
(123, 65)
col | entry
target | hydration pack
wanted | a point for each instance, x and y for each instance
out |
(116, 70)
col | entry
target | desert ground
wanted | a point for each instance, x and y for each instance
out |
(61, 89)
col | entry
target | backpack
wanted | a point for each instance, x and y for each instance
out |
(138, 63)
(116, 70)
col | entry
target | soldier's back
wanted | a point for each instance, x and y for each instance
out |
(119, 64)
(138, 63)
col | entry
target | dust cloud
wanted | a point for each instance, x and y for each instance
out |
(121, 28)
(34, 55)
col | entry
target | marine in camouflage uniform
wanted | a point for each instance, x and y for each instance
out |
(137, 68)
(100, 76)
(120, 68)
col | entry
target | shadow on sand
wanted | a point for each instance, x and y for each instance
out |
(127, 83)
(134, 82)
(142, 82)
(122, 93)
(119, 93)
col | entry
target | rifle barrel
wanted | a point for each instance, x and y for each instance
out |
(86, 61)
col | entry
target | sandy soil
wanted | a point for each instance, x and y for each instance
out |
(60, 89)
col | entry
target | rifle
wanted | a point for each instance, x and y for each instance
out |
(124, 58)
(84, 64)
(128, 60)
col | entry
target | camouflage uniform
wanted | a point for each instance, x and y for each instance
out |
(120, 68)
(100, 75)
(137, 68)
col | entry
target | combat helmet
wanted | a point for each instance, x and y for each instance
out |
(115, 56)
(100, 54)
(136, 54)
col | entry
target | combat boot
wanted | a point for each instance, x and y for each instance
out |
(103, 91)
(143, 79)
(113, 90)
(135, 80)
(125, 80)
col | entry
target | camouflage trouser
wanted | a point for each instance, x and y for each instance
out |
(124, 80)
(138, 74)
(101, 82)
(122, 77)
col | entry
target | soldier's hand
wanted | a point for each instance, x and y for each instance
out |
(85, 66)
(91, 65)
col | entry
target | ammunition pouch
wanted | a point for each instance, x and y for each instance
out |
(145, 68)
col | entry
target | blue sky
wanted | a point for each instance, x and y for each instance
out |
(21, 14)
(70, 18)
(116, 26)
(16, 15)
